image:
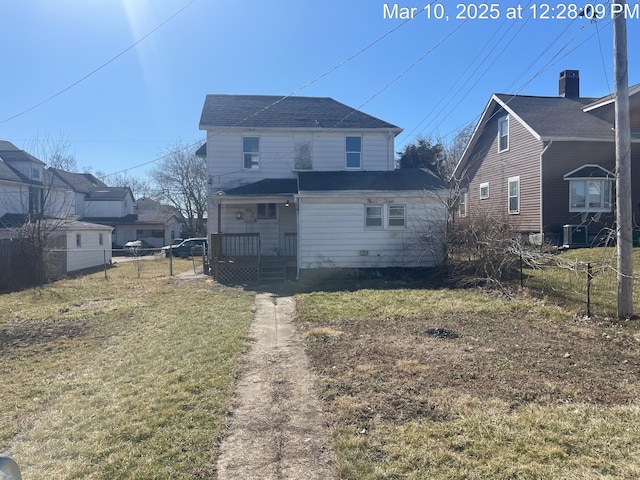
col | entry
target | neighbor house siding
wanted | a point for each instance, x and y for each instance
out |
(558, 160)
(520, 160)
(327, 218)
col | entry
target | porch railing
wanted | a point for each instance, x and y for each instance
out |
(231, 245)
(290, 244)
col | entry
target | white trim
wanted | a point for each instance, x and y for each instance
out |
(509, 181)
(501, 121)
(484, 185)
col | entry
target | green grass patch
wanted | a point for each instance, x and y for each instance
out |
(121, 378)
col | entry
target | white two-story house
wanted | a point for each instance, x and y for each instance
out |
(310, 184)
(36, 205)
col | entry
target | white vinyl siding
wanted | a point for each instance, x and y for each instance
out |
(89, 252)
(324, 219)
(283, 153)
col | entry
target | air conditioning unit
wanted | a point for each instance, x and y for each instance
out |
(575, 236)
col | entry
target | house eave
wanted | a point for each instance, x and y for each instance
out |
(222, 129)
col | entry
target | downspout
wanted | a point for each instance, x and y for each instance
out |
(544, 150)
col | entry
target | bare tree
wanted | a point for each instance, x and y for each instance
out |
(53, 151)
(453, 150)
(181, 181)
(139, 187)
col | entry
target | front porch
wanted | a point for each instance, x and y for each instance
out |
(239, 258)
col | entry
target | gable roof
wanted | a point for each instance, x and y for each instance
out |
(79, 182)
(589, 171)
(272, 111)
(10, 153)
(550, 118)
(556, 118)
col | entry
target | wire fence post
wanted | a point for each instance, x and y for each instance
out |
(589, 279)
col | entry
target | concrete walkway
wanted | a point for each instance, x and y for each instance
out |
(277, 429)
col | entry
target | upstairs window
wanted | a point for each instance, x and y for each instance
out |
(35, 173)
(462, 204)
(503, 134)
(484, 191)
(514, 195)
(354, 152)
(251, 152)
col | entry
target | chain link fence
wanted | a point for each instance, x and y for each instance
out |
(585, 284)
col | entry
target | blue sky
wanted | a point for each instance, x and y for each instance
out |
(427, 76)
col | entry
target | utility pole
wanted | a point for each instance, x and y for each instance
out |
(624, 238)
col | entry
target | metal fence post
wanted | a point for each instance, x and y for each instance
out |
(589, 279)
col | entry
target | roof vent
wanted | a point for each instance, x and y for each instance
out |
(569, 84)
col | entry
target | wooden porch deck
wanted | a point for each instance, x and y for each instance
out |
(236, 259)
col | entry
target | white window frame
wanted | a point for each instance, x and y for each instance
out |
(503, 133)
(78, 240)
(462, 204)
(368, 218)
(269, 208)
(399, 221)
(484, 186)
(101, 239)
(351, 153)
(253, 157)
(605, 187)
(36, 174)
(516, 180)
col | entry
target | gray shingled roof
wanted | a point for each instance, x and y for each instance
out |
(268, 186)
(9, 152)
(558, 117)
(79, 182)
(267, 111)
(404, 179)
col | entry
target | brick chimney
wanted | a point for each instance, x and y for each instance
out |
(569, 84)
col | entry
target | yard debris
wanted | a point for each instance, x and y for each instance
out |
(442, 333)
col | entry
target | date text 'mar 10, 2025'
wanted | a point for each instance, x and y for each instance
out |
(494, 11)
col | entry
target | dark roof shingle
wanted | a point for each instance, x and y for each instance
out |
(271, 111)
(404, 179)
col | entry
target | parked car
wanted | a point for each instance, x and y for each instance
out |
(188, 248)
(138, 247)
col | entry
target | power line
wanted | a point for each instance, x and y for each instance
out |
(93, 72)
(297, 90)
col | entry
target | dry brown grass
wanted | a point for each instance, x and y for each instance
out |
(522, 390)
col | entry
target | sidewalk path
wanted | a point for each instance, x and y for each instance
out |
(277, 428)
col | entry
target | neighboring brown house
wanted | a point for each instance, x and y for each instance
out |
(546, 164)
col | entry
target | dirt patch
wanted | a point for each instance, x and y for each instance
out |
(277, 428)
(49, 332)
(401, 368)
